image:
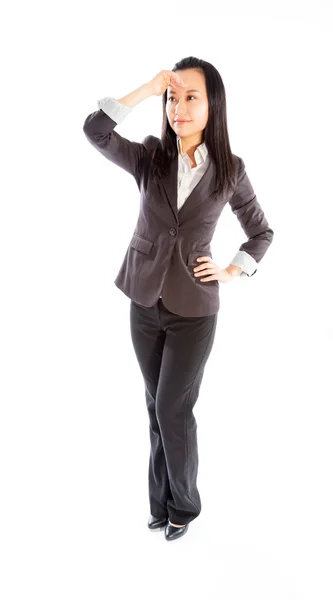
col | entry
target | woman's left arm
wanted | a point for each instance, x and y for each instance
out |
(245, 206)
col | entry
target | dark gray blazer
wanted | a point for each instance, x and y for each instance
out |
(161, 255)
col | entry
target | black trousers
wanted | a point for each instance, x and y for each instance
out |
(172, 352)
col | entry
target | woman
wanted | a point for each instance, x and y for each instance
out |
(185, 179)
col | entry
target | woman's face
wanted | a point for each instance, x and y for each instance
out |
(187, 107)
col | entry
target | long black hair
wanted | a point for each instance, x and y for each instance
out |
(215, 134)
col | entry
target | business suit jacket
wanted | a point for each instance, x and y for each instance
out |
(166, 242)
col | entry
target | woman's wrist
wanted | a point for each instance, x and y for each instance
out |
(233, 270)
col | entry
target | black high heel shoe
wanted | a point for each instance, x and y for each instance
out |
(172, 533)
(157, 522)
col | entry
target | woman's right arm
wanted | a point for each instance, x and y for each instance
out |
(99, 126)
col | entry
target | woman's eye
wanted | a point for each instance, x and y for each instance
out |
(172, 98)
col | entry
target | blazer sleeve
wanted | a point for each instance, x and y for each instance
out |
(99, 129)
(245, 206)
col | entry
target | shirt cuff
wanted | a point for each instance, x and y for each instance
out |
(246, 262)
(114, 109)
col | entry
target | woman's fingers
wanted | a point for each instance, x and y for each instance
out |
(178, 80)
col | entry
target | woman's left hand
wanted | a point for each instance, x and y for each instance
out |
(210, 271)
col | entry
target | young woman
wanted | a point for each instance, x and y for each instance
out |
(185, 179)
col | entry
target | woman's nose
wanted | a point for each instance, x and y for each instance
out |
(180, 109)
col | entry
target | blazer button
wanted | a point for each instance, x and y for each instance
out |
(172, 231)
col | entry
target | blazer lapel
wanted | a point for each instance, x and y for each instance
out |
(170, 185)
(201, 192)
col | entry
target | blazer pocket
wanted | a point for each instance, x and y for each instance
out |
(140, 243)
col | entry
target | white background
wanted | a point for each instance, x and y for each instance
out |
(74, 437)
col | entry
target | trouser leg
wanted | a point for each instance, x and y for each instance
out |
(187, 346)
(148, 340)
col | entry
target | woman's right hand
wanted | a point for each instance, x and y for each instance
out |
(162, 80)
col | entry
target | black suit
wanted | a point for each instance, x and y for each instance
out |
(173, 335)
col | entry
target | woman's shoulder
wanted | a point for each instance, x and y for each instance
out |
(239, 163)
(151, 141)
(238, 159)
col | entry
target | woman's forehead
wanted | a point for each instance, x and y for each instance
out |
(194, 81)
